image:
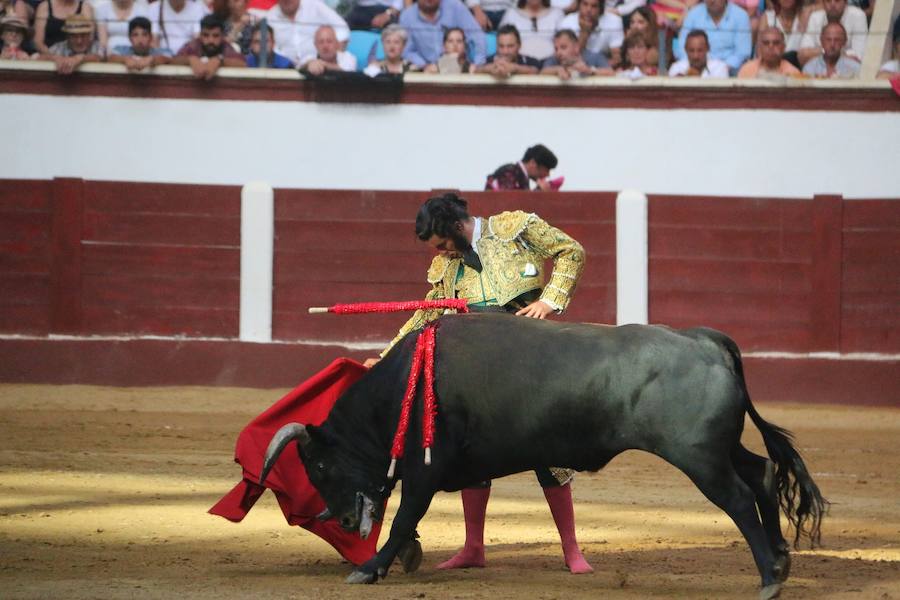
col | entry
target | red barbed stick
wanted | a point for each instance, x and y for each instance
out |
(458, 304)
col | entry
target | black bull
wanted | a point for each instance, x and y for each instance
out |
(515, 394)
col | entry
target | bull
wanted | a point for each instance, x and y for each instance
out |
(518, 394)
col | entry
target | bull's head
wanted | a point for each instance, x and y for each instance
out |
(351, 495)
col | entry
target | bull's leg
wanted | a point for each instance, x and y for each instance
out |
(721, 484)
(413, 506)
(759, 473)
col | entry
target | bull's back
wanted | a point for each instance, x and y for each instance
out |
(522, 390)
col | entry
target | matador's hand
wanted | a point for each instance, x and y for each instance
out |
(370, 362)
(536, 310)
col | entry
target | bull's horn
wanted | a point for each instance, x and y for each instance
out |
(289, 432)
(324, 515)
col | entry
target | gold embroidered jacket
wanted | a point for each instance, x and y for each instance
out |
(512, 248)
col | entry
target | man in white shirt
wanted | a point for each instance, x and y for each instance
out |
(295, 23)
(835, 11)
(598, 31)
(176, 22)
(697, 62)
(328, 56)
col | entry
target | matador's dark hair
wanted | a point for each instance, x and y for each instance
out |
(439, 214)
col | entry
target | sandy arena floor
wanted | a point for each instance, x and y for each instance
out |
(104, 492)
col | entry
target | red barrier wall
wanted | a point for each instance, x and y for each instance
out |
(87, 258)
(343, 246)
(778, 274)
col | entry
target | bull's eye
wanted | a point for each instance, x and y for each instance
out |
(320, 467)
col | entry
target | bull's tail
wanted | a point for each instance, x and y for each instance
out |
(799, 496)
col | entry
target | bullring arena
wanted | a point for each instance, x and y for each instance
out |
(157, 263)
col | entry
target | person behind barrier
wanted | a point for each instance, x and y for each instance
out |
(770, 64)
(568, 62)
(832, 63)
(697, 62)
(891, 68)
(496, 264)
(636, 57)
(508, 60)
(536, 21)
(454, 59)
(210, 52)
(78, 48)
(328, 56)
(176, 22)
(535, 166)
(139, 54)
(374, 14)
(295, 23)
(598, 31)
(50, 18)
(393, 40)
(426, 21)
(727, 28)
(273, 60)
(851, 18)
(13, 32)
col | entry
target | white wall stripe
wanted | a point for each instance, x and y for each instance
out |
(632, 287)
(257, 249)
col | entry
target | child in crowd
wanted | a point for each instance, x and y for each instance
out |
(139, 54)
(12, 32)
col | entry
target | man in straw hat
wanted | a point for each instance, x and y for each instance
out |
(13, 31)
(78, 47)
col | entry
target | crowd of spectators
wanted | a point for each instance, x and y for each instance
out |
(773, 39)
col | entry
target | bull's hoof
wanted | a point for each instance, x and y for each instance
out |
(770, 591)
(782, 567)
(410, 556)
(361, 577)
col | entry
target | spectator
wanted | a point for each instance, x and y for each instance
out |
(139, 54)
(393, 39)
(835, 11)
(598, 31)
(785, 16)
(670, 13)
(489, 13)
(12, 36)
(50, 17)
(427, 20)
(509, 60)
(208, 53)
(328, 56)
(698, 62)
(535, 166)
(237, 23)
(567, 62)
(832, 63)
(24, 9)
(771, 63)
(891, 68)
(79, 46)
(113, 19)
(643, 21)
(176, 22)
(636, 57)
(273, 59)
(727, 30)
(623, 9)
(295, 24)
(454, 59)
(536, 21)
(374, 14)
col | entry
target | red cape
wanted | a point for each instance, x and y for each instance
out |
(308, 403)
